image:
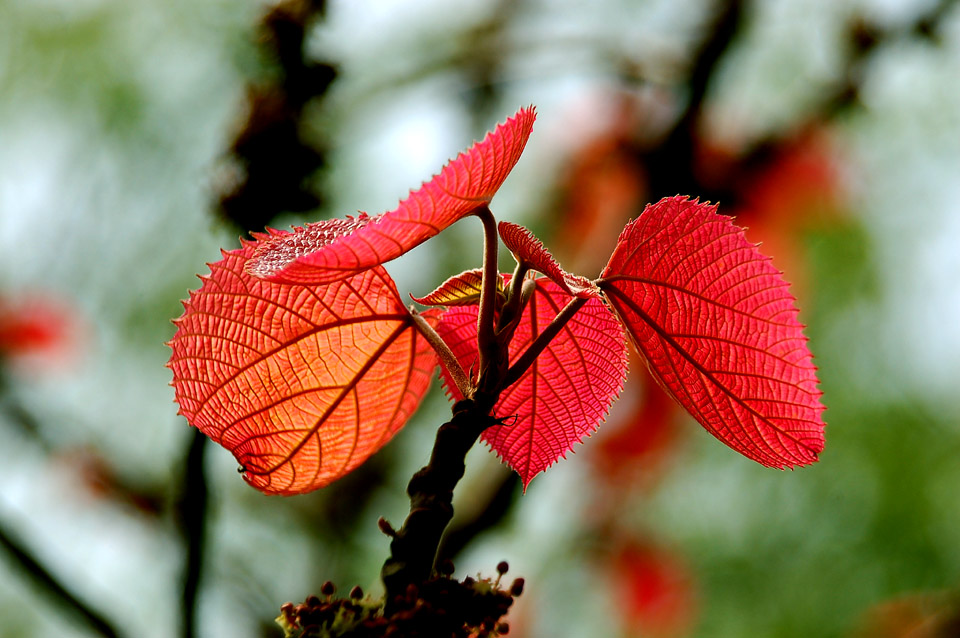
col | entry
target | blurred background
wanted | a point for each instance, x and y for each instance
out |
(138, 138)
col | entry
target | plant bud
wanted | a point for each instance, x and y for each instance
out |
(386, 528)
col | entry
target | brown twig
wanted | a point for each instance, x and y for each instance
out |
(192, 515)
(52, 587)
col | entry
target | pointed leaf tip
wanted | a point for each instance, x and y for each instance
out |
(334, 249)
(718, 329)
(301, 383)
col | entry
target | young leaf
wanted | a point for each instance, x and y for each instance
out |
(334, 249)
(300, 383)
(459, 290)
(718, 329)
(530, 250)
(567, 391)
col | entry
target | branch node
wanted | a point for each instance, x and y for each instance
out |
(386, 528)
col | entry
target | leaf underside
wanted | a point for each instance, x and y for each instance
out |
(301, 383)
(329, 250)
(530, 250)
(718, 329)
(459, 290)
(564, 395)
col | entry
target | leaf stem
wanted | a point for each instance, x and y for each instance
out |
(543, 339)
(413, 549)
(446, 355)
(510, 319)
(488, 349)
(514, 295)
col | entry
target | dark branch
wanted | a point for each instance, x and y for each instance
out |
(488, 515)
(273, 158)
(52, 587)
(670, 164)
(413, 549)
(192, 512)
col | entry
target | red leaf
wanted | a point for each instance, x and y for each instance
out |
(459, 290)
(334, 249)
(301, 383)
(718, 329)
(567, 391)
(530, 250)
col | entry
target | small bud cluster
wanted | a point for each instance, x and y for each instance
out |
(328, 616)
(442, 606)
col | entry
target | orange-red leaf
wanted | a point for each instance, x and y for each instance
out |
(334, 249)
(718, 329)
(530, 250)
(567, 391)
(301, 383)
(459, 290)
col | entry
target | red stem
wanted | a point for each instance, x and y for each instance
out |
(543, 339)
(490, 363)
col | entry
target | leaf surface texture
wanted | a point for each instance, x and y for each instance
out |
(459, 290)
(329, 250)
(301, 383)
(565, 394)
(530, 250)
(718, 329)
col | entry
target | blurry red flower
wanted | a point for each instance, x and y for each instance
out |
(654, 590)
(36, 331)
(798, 188)
(635, 448)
